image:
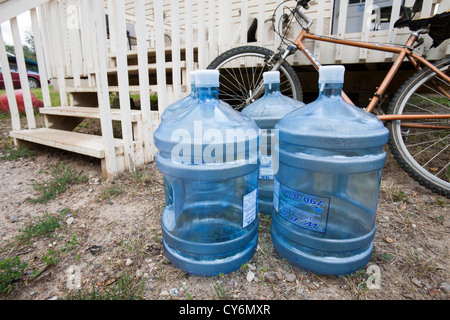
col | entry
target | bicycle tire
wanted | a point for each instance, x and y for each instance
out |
(423, 153)
(232, 66)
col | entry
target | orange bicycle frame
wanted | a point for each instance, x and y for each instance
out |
(402, 53)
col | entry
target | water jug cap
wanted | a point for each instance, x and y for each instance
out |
(271, 77)
(331, 74)
(207, 78)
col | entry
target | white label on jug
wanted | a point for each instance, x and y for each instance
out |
(265, 167)
(249, 207)
(302, 209)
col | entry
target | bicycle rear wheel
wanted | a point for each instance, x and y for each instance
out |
(422, 147)
(241, 72)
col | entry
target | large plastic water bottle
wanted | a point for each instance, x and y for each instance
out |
(173, 108)
(266, 112)
(327, 186)
(208, 153)
(183, 103)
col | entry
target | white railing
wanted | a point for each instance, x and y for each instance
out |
(72, 43)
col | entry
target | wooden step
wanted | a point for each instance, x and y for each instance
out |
(132, 89)
(90, 145)
(88, 112)
(151, 52)
(134, 69)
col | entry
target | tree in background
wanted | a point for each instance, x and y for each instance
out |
(28, 48)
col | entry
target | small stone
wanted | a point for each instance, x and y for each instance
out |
(279, 275)
(70, 221)
(174, 292)
(14, 218)
(251, 267)
(164, 293)
(445, 286)
(389, 240)
(270, 278)
(250, 276)
(54, 298)
(139, 273)
(290, 277)
(409, 295)
(83, 265)
(128, 262)
(416, 282)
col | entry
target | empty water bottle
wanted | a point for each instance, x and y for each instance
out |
(266, 112)
(183, 103)
(327, 186)
(208, 154)
(173, 108)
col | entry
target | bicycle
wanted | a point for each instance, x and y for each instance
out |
(418, 116)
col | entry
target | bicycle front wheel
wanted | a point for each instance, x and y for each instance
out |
(422, 147)
(241, 74)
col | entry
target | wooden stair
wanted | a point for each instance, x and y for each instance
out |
(87, 112)
(61, 121)
(87, 144)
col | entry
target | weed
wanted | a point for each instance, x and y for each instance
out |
(14, 153)
(124, 288)
(51, 258)
(44, 226)
(10, 270)
(401, 196)
(220, 289)
(62, 178)
(111, 192)
(69, 246)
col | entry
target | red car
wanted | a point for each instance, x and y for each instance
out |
(33, 79)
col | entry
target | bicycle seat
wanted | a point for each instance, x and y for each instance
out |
(438, 25)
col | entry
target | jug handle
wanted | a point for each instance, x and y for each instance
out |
(175, 203)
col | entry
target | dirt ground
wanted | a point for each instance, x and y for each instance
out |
(118, 236)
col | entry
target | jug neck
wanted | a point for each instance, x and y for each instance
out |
(330, 90)
(193, 91)
(205, 93)
(272, 88)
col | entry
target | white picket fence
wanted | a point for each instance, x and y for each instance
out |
(79, 53)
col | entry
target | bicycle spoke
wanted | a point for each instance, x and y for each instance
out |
(439, 104)
(443, 168)
(427, 148)
(424, 142)
(420, 108)
(435, 156)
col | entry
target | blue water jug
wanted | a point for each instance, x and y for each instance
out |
(173, 108)
(326, 189)
(208, 153)
(183, 103)
(266, 112)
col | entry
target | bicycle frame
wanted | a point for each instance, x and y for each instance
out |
(402, 53)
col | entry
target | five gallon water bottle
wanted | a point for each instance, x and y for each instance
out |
(327, 186)
(266, 112)
(208, 154)
(183, 103)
